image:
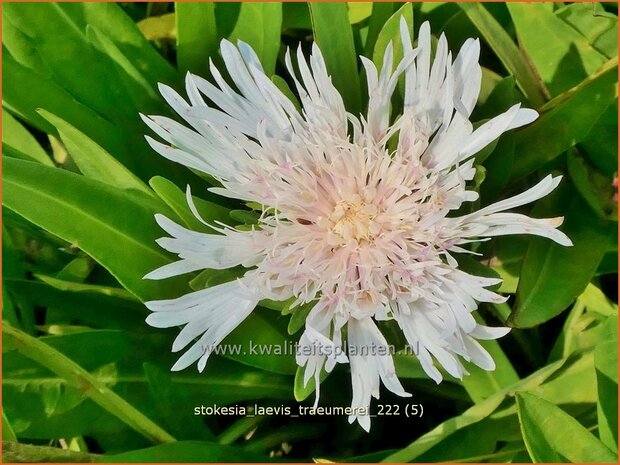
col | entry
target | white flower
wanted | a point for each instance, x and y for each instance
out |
(355, 221)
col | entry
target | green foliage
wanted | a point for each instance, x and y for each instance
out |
(81, 188)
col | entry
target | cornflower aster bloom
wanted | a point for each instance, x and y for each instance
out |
(355, 210)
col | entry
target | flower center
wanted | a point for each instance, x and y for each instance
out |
(354, 219)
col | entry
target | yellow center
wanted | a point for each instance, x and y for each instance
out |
(354, 219)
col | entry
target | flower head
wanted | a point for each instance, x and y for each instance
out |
(358, 212)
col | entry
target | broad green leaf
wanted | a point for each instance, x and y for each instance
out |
(506, 255)
(196, 36)
(408, 366)
(481, 384)
(77, 209)
(551, 435)
(298, 317)
(16, 137)
(81, 304)
(262, 344)
(490, 80)
(576, 372)
(177, 201)
(471, 416)
(92, 160)
(77, 377)
(606, 363)
(259, 25)
(166, 398)
(295, 15)
(381, 12)
(338, 50)
(128, 77)
(225, 383)
(186, 451)
(501, 97)
(506, 50)
(359, 11)
(590, 20)
(565, 121)
(552, 276)
(98, 83)
(391, 33)
(595, 301)
(27, 91)
(561, 55)
(597, 190)
(161, 27)
(47, 29)
(566, 343)
(499, 167)
(303, 390)
(601, 144)
(474, 442)
(113, 22)
(7, 430)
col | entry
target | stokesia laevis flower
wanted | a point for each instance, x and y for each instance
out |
(355, 210)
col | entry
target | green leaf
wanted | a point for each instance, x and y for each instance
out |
(26, 91)
(601, 144)
(129, 78)
(338, 50)
(591, 20)
(186, 451)
(561, 55)
(161, 27)
(552, 435)
(506, 50)
(16, 137)
(259, 25)
(481, 384)
(227, 383)
(177, 201)
(295, 15)
(81, 304)
(606, 363)
(381, 12)
(196, 36)
(359, 11)
(303, 390)
(391, 33)
(77, 377)
(77, 209)
(595, 301)
(105, 75)
(471, 416)
(596, 189)
(262, 344)
(7, 430)
(577, 371)
(92, 160)
(298, 317)
(565, 121)
(113, 22)
(552, 276)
